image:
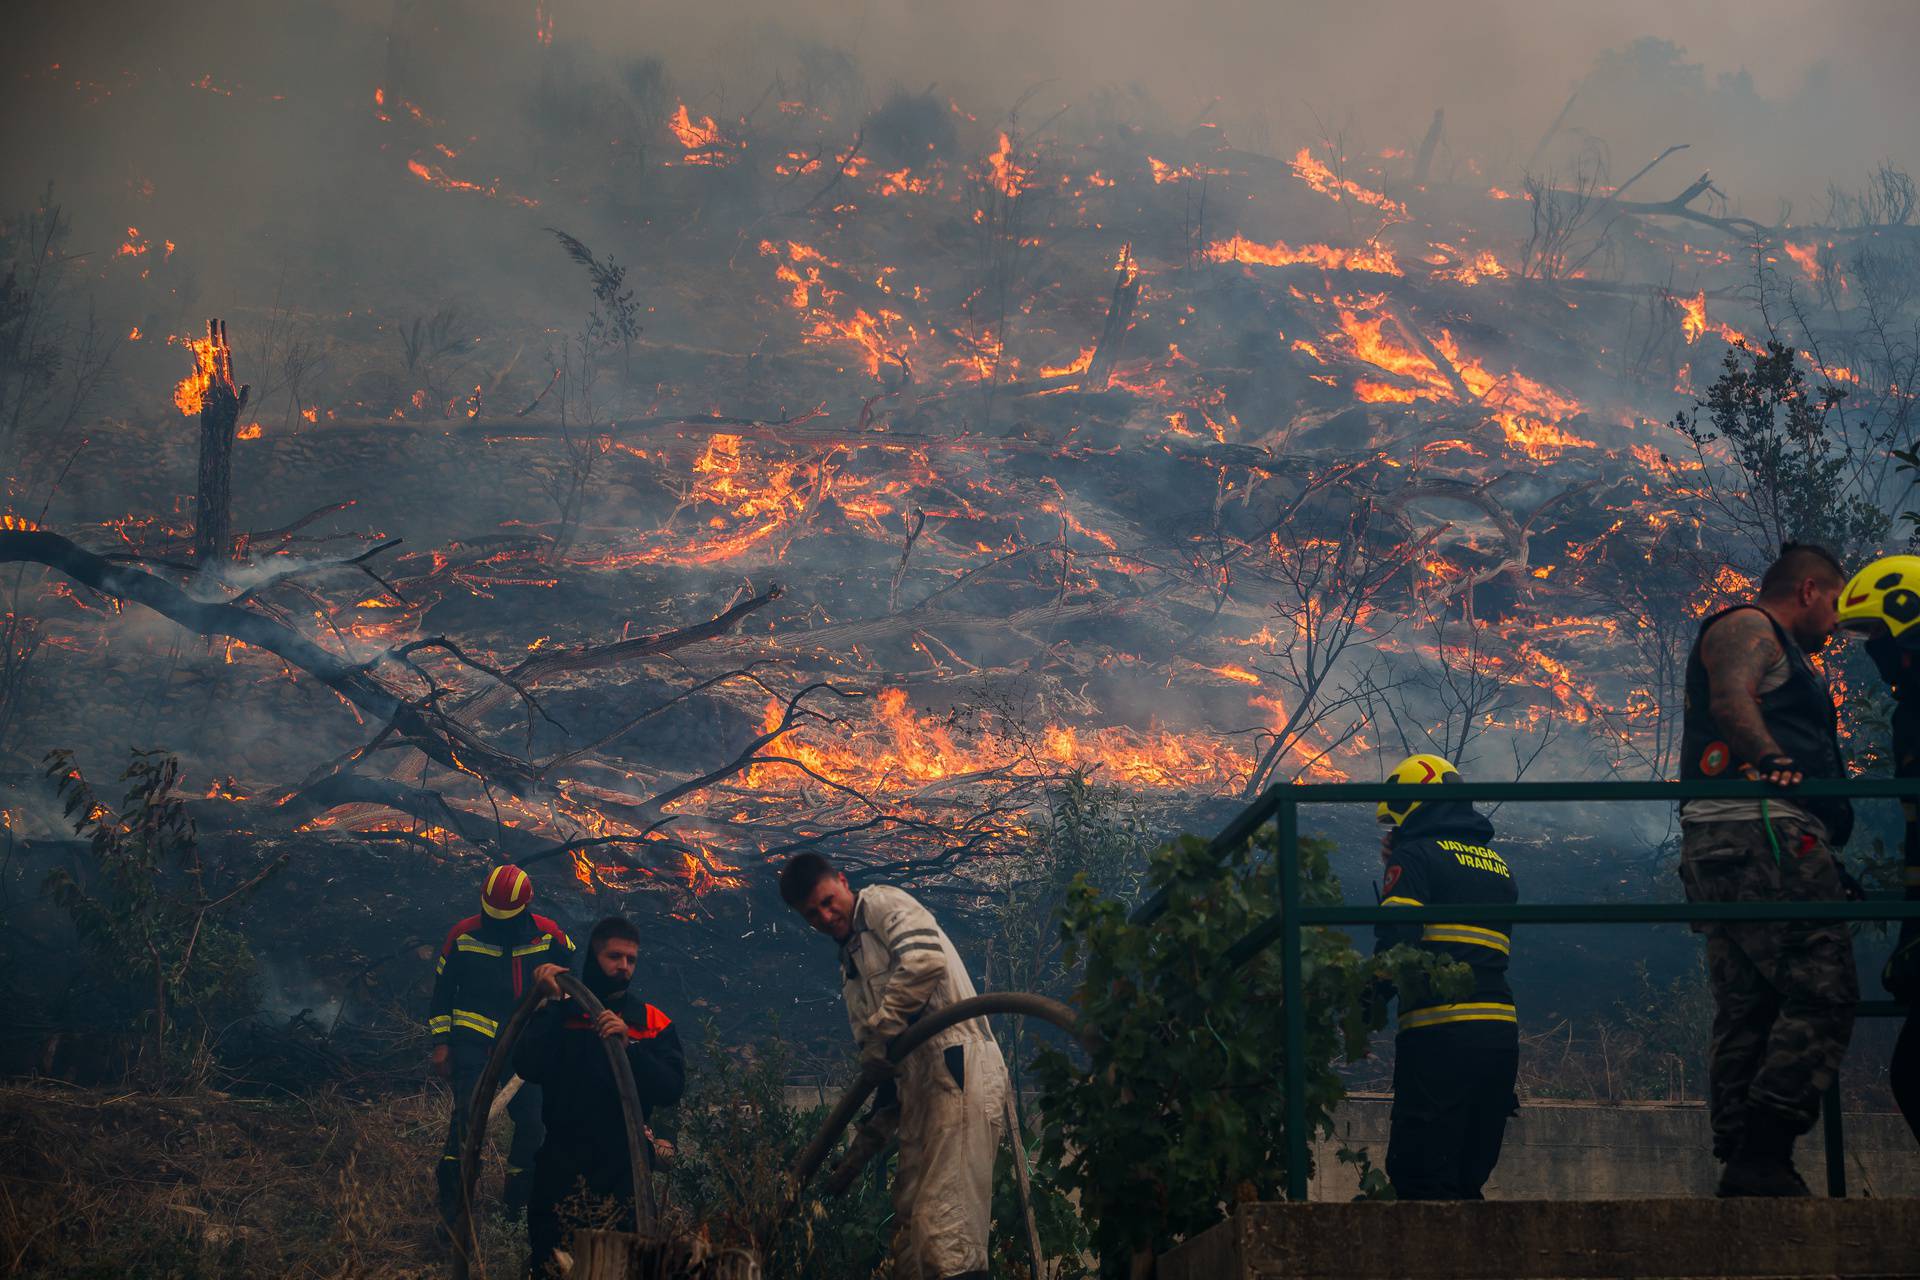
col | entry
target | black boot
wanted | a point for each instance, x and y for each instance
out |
(1763, 1166)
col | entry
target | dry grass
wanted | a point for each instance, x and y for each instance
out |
(100, 1183)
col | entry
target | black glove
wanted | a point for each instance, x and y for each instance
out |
(1849, 884)
(1375, 998)
(1777, 763)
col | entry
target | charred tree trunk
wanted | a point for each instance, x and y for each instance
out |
(1126, 296)
(1423, 165)
(220, 408)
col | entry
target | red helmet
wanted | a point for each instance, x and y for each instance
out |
(508, 891)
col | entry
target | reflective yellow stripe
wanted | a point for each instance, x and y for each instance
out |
(531, 947)
(440, 965)
(1472, 935)
(475, 1022)
(1401, 902)
(1441, 1014)
(470, 944)
(439, 1024)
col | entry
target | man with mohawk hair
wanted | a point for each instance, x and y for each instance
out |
(485, 966)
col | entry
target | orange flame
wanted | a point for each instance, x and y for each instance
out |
(1004, 173)
(1322, 179)
(898, 746)
(1806, 257)
(434, 175)
(190, 394)
(701, 141)
(1375, 258)
(1693, 316)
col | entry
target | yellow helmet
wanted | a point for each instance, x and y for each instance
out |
(1883, 598)
(1412, 771)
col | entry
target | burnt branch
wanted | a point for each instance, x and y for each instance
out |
(548, 664)
(751, 755)
(441, 739)
(634, 723)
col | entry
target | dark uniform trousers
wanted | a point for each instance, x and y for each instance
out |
(528, 1133)
(1905, 1073)
(1784, 992)
(574, 1187)
(1452, 1097)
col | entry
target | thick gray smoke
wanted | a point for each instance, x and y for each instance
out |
(259, 114)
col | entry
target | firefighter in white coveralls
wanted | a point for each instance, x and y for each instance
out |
(897, 964)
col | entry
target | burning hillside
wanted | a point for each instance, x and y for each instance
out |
(866, 471)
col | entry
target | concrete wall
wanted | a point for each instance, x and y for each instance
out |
(1556, 1240)
(1578, 1151)
(1585, 1151)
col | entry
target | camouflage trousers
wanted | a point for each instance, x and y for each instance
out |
(1784, 993)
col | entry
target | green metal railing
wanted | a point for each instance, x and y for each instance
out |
(1280, 804)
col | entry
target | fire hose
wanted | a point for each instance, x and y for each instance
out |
(480, 1108)
(1024, 1003)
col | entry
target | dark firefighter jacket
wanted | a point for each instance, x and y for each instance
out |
(484, 969)
(1900, 664)
(586, 1134)
(1440, 857)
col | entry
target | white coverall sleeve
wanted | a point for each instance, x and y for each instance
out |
(911, 936)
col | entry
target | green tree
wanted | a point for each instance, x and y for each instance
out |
(1096, 833)
(1182, 1113)
(1785, 469)
(142, 907)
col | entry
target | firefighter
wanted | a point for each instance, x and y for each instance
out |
(897, 964)
(1454, 1062)
(1882, 604)
(484, 968)
(585, 1153)
(1783, 991)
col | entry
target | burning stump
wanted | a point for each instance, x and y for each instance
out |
(211, 392)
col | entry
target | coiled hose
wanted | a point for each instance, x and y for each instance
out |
(1024, 1003)
(638, 1151)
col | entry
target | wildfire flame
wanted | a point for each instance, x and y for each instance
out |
(1322, 179)
(701, 141)
(1374, 258)
(1004, 173)
(190, 393)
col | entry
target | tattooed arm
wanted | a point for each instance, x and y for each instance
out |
(1737, 651)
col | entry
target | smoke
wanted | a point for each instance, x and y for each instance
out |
(260, 119)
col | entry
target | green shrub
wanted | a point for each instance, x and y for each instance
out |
(1183, 1112)
(146, 915)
